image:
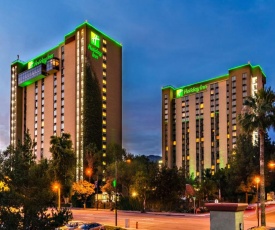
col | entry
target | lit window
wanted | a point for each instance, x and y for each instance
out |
(104, 98)
(104, 90)
(104, 82)
(104, 114)
(104, 130)
(166, 148)
(104, 65)
(104, 106)
(201, 106)
(218, 161)
(104, 138)
(174, 143)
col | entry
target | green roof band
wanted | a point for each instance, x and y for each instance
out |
(97, 30)
(216, 78)
(117, 43)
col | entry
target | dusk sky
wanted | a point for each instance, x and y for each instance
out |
(165, 42)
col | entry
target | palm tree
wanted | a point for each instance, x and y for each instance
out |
(258, 115)
(63, 161)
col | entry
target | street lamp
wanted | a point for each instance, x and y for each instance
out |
(89, 173)
(271, 165)
(257, 180)
(116, 195)
(56, 186)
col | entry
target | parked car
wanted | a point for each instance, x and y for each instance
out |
(91, 226)
(71, 225)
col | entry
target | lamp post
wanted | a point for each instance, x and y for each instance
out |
(116, 195)
(257, 179)
(271, 165)
(56, 186)
(89, 173)
(194, 198)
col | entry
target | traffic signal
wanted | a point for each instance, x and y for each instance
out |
(114, 183)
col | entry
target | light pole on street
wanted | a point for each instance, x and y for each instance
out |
(257, 180)
(194, 204)
(116, 195)
(56, 186)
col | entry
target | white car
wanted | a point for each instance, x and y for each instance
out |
(71, 225)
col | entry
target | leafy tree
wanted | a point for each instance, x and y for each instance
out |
(63, 161)
(26, 195)
(244, 159)
(114, 152)
(259, 115)
(83, 189)
(208, 187)
(141, 187)
(169, 187)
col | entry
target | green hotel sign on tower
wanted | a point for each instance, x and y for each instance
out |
(189, 90)
(94, 46)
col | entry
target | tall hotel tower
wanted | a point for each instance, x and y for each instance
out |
(199, 121)
(74, 87)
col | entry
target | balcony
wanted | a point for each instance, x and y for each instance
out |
(52, 66)
(32, 75)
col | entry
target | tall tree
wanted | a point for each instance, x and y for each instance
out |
(259, 115)
(63, 161)
(26, 194)
(169, 186)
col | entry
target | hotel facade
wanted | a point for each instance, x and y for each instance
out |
(50, 94)
(199, 121)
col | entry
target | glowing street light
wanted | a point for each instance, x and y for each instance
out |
(271, 165)
(257, 180)
(89, 173)
(56, 187)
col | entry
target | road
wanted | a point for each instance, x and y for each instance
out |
(162, 221)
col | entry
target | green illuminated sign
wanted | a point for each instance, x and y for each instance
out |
(95, 40)
(189, 90)
(94, 46)
(39, 61)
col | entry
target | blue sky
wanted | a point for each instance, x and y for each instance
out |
(165, 42)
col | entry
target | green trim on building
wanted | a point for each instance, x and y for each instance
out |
(62, 42)
(31, 81)
(97, 30)
(252, 67)
(219, 78)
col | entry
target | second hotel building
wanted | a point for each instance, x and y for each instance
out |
(199, 121)
(76, 88)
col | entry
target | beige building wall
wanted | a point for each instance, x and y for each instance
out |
(70, 90)
(192, 134)
(30, 109)
(178, 133)
(207, 128)
(222, 124)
